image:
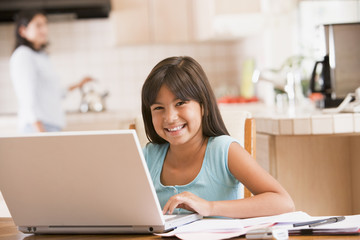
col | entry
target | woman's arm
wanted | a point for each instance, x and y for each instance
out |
(80, 84)
(39, 126)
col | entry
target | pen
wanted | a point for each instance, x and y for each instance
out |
(327, 221)
(319, 222)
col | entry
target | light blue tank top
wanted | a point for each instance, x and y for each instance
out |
(214, 181)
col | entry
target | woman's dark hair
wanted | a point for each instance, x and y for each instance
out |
(187, 81)
(23, 18)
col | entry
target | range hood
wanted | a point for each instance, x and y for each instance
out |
(77, 8)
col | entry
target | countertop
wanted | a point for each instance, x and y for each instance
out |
(301, 120)
(76, 121)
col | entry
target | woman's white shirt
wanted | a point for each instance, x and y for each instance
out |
(37, 88)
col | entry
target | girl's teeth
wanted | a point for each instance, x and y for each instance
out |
(174, 129)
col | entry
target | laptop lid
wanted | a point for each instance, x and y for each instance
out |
(83, 182)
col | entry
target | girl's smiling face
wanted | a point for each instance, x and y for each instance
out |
(175, 120)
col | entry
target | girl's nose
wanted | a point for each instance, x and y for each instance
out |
(171, 115)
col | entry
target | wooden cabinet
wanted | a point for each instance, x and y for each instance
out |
(177, 21)
(160, 21)
(130, 20)
(315, 156)
(170, 20)
(320, 172)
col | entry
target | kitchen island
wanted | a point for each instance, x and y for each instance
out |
(315, 156)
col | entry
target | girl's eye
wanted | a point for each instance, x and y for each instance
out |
(157, 108)
(180, 103)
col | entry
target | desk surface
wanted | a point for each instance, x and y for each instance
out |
(8, 231)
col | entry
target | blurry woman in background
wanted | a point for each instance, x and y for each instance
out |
(34, 78)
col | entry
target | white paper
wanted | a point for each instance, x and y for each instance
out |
(208, 236)
(291, 217)
(208, 225)
(233, 226)
(214, 228)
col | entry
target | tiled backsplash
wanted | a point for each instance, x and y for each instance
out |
(87, 48)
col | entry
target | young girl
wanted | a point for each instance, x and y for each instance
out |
(194, 164)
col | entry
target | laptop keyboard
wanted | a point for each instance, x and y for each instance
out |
(172, 217)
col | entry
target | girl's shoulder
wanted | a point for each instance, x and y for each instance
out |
(219, 146)
(221, 141)
(217, 153)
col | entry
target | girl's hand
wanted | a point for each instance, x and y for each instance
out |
(190, 202)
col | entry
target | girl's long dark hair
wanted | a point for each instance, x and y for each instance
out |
(187, 81)
(23, 18)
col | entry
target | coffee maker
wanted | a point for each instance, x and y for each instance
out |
(338, 73)
(320, 82)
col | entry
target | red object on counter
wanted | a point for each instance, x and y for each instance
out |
(237, 99)
(316, 96)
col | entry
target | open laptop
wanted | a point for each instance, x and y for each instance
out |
(81, 182)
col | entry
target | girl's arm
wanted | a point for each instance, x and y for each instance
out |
(270, 198)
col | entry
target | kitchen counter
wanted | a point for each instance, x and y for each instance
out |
(8, 124)
(311, 123)
(107, 120)
(76, 121)
(314, 156)
(304, 120)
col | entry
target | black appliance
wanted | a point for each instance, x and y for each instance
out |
(339, 72)
(320, 82)
(78, 8)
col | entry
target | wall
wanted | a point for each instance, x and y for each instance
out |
(87, 47)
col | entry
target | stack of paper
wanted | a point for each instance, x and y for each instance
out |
(215, 228)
